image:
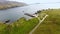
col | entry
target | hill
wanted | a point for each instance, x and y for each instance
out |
(11, 4)
(51, 25)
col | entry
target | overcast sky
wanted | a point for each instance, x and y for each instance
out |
(35, 1)
(53, 3)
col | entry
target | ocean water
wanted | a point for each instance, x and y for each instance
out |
(14, 14)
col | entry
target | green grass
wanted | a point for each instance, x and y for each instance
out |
(21, 26)
(51, 25)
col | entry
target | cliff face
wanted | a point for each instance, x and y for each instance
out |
(11, 4)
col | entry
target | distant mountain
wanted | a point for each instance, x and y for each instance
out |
(11, 4)
(2, 0)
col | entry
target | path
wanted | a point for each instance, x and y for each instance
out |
(40, 21)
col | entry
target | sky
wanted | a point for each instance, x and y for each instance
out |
(34, 1)
(53, 3)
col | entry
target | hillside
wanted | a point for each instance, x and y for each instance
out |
(51, 25)
(11, 4)
(21, 26)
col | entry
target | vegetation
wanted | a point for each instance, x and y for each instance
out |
(51, 25)
(21, 26)
(7, 6)
(11, 4)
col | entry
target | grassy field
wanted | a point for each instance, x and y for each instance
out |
(21, 26)
(51, 25)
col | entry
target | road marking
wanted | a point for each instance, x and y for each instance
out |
(40, 21)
